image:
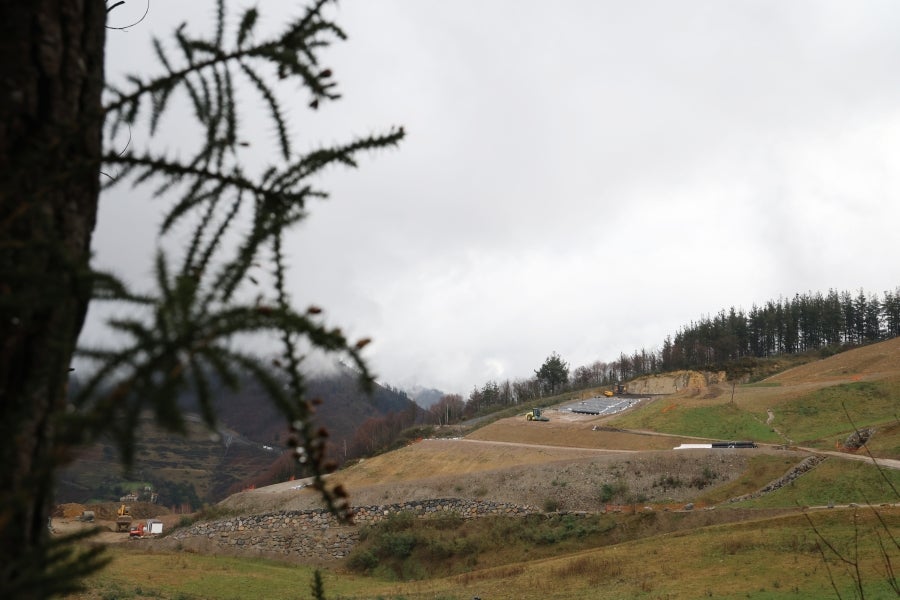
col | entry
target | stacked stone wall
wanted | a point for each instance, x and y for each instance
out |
(316, 534)
(806, 465)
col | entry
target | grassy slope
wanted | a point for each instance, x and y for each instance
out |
(720, 421)
(835, 481)
(196, 459)
(768, 558)
(762, 559)
(819, 415)
(808, 404)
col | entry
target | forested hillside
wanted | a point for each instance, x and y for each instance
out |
(784, 326)
(343, 408)
(736, 341)
(247, 450)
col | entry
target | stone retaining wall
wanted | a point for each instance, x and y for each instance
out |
(316, 534)
(806, 465)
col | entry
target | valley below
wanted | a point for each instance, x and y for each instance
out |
(580, 506)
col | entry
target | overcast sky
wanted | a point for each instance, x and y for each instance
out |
(581, 176)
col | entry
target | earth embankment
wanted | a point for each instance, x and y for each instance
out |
(571, 462)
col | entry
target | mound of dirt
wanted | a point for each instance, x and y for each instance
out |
(584, 484)
(572, 462)
(106, 511)
(145, 510)
(540, 476)
(68, 511)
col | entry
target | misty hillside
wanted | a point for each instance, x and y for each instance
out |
(344, 407)
(248, 449)
(425, 397)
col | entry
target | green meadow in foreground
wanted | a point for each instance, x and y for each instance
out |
(779, 545)
(768, 558)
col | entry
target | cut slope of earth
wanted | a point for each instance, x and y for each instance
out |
(816, 404)
(519, 462)
(579, 462)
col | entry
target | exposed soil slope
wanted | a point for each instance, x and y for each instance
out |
(576, 462)
(515, 461)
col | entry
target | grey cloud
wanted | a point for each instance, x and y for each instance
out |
(586, 177)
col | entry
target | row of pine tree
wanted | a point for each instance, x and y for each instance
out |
(806, 322)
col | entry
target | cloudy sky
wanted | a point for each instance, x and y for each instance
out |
(582, 176)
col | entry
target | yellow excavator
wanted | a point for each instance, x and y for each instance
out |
(535, 414)
(123, 519)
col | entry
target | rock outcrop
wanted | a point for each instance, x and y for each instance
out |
(671, 383)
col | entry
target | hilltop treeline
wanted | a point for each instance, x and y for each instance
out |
(784, 326)
(806, 322)
(729, 340)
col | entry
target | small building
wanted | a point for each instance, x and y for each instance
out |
(154, 526)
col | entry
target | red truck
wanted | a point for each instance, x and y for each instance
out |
(144, 529)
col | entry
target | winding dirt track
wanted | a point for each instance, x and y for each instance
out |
(568, 458)
(513, 460)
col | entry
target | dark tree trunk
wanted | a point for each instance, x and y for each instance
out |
(51, 77)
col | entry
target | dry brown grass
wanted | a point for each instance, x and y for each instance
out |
(571, 430)
(650, 554)
(876, 361)
(568, 459)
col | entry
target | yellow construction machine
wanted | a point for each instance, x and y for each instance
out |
(535, 414)
(123, 519)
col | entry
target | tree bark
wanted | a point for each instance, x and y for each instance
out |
(51, 77)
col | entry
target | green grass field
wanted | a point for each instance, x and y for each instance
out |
(819, 418)
(820, 414)
(835, 481)
(762, 469)
(770, 547)
(763, 559)
(720, 420)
